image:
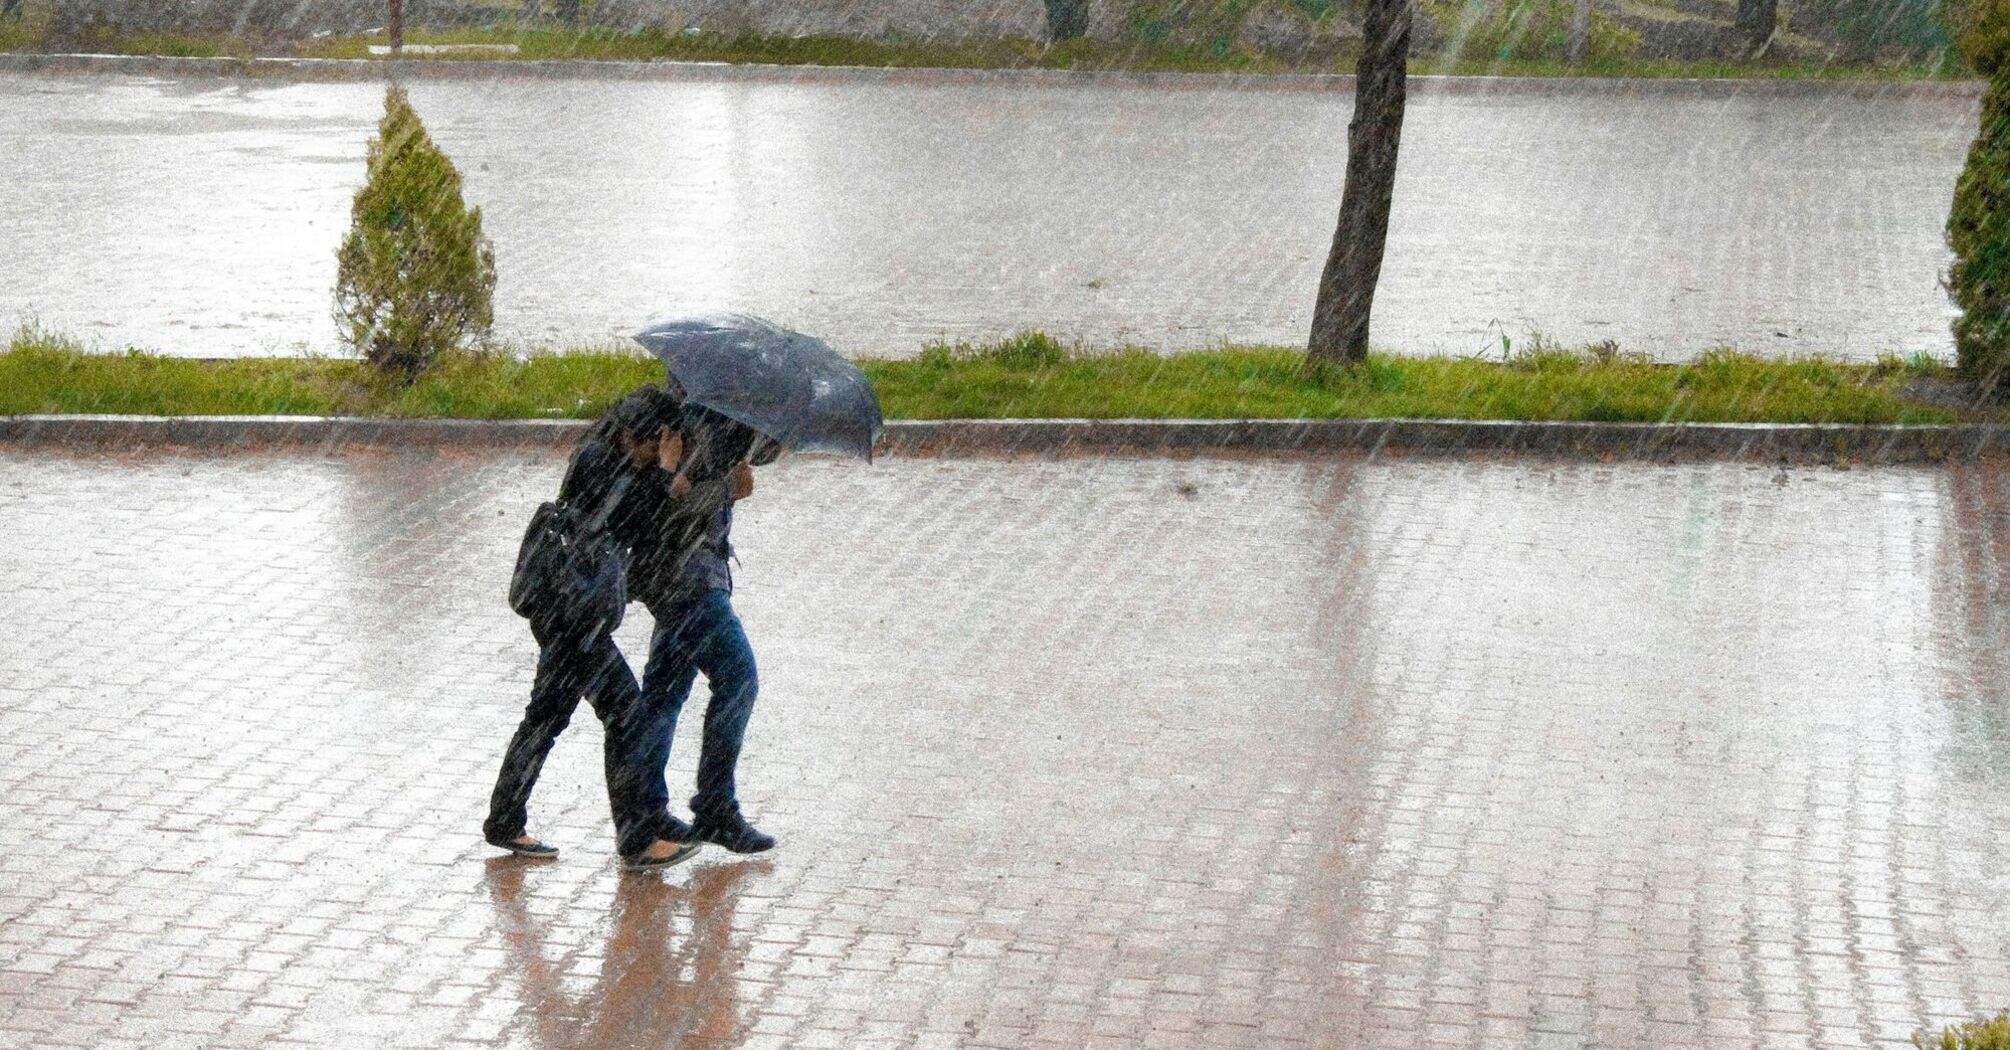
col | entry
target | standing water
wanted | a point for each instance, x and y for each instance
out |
(200, 216)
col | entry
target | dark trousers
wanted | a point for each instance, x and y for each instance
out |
(567, 669)
(700, 635)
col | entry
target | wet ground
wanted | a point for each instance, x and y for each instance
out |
(200, 216)
(1098, 753)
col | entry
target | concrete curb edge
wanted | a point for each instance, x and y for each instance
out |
(359, 69)
(1793, 443)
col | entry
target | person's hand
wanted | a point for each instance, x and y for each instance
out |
(669, 449)
(740, 483)
(669, 456)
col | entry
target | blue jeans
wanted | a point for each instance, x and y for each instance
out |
(702, 634)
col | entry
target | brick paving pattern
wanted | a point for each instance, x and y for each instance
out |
(1086, 753)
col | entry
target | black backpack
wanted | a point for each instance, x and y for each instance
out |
(570, 571)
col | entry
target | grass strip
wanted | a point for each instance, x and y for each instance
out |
(1030, 376)
(33, 31)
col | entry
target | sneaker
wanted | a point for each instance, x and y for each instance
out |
(662, 853)
(524, 846)
(731, 832)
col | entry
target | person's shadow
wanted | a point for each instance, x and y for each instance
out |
(660, 982)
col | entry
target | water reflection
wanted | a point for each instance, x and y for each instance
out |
(667, 973)
(1975, 623)
(885, 214)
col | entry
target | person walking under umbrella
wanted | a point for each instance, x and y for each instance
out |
(751, 388)
(685, 579)
(623, 478)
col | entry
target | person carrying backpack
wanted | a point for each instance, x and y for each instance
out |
(621, 491)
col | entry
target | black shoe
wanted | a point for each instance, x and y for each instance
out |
(522, 846)
(730, 831)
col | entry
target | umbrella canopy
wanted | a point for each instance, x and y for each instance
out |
(787, 385)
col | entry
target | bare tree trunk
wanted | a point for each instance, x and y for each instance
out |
(1067, 19)
(1347, 287)
(1580, 32)
(397, 27)
(531, 9)
(1757, 21)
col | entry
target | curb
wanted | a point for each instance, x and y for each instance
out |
(358, 69)
(1747, 442)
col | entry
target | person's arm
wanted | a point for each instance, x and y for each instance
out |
(700, 498)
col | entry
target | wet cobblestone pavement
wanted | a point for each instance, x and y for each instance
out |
(1096, 753)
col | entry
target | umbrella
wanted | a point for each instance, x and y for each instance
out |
(789, 386)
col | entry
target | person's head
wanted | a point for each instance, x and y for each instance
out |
(636, 421)
(714, 443)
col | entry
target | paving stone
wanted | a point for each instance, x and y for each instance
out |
(1324, 754)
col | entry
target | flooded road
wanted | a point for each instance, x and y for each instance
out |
(200, 216)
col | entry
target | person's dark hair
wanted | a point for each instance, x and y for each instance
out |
(640, 415)
(714, 441)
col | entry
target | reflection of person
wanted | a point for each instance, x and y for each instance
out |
(686, 582)
(623, 466)
(651, 991)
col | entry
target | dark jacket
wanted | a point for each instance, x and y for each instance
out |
(691, 558)
(667, 539)
(696, 556)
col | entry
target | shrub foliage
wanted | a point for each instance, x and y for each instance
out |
(1978, 231)
(1993, 1034)
(415, 276)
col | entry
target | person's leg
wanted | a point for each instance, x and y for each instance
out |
(554, 694)
(666, 684)
(728, 662)
(616, 698)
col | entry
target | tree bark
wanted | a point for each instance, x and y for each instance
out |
(1347, 286)
(1580, 32)
(1067, 20)
(1757, 20)
(397, 26)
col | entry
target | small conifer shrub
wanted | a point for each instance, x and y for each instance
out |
(415, 277)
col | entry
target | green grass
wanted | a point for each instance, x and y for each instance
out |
(1137, 56)
(1034, 376)
(42, 372)
(545, 42)
(1692, 69)
(25, 33)
(1029, 376)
